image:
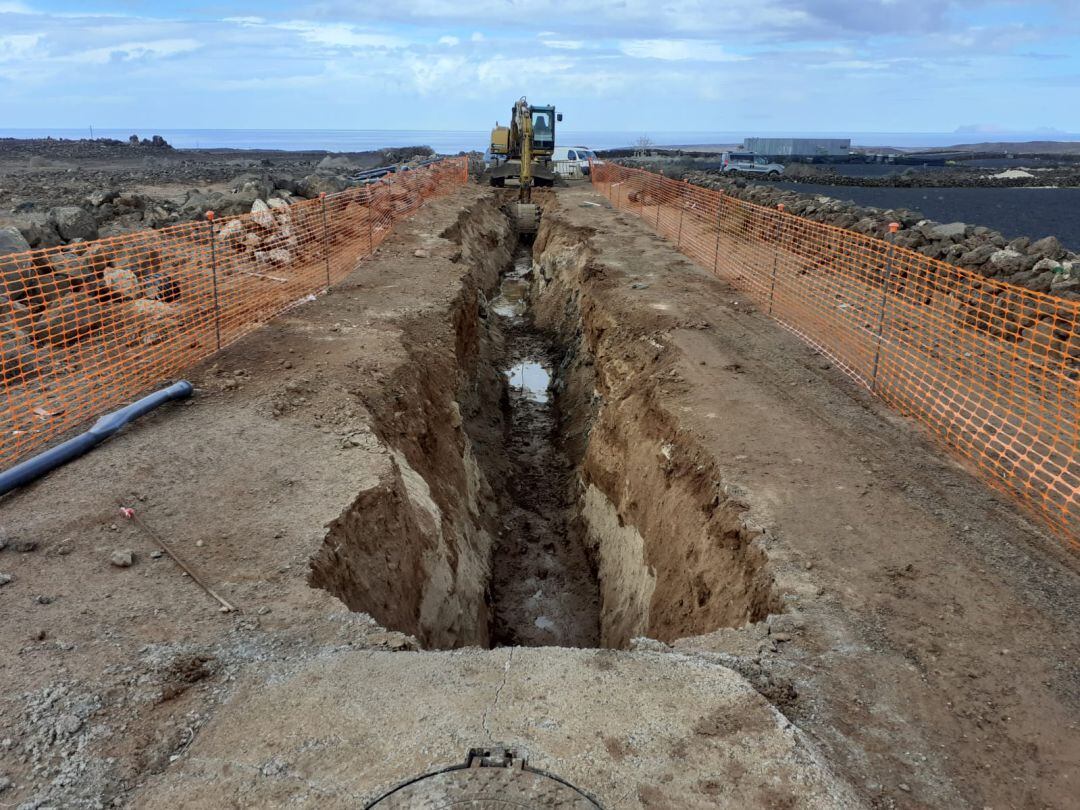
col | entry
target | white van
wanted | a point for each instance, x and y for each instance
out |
(572, 161)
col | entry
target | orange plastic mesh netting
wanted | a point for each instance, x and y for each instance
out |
(86, 327)
(992, 369)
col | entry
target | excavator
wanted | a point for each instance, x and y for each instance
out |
(525, 147)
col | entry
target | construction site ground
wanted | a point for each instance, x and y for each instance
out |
(913, 638)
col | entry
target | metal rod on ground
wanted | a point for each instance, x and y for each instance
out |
(776, 257)
(893, 228)
(326, 237)
(129, 513)
(213, 271)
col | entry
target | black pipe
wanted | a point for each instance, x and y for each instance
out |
(33, 468)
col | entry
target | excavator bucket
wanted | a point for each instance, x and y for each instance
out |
(526, 216)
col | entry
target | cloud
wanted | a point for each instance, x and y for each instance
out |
(338, 35)
(18, 46)
(433, 75)
(630, 19)
(678, 50)
(640, 64)
(853, 64)
(129, 51)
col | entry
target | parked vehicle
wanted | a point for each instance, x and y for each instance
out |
(749, 163)
(568, 157)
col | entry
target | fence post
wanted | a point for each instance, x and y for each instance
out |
(213, 272)
(393, 219)
(893, 228)
(326, 237)
(657, 211)
(678, 240)
(719, 217)
(370, 225)
(776, 256)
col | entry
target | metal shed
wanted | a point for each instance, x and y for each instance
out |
(798, 147)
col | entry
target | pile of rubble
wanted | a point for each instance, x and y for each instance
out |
(54, 298)
(1042, 265)
(136, 290)
(111, 212)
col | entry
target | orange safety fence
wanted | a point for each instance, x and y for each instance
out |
(992, 369)
(88, 326)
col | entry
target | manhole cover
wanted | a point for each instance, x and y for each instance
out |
(490, 778)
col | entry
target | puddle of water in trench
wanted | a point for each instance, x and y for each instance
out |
(530, 379)
(513, 298)
(511, 301)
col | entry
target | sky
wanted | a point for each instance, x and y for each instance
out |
(981, 67)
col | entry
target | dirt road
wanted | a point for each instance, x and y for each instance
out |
(836, 614)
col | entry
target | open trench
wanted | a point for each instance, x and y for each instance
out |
(540, 494)
(544, 588)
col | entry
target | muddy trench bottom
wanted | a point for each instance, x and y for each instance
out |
(544, 589)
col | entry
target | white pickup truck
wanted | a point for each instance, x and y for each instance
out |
(749, 163)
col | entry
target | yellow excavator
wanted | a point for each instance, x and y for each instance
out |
(523, 150)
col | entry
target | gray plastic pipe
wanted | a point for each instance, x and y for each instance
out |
(33, 468)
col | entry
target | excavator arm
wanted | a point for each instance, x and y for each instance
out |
(527, 145)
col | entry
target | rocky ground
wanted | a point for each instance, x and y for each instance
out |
(55, 192)
(1043, 264)
(947, 177)
(68, 194)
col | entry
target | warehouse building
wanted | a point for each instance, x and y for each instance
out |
(799, 147)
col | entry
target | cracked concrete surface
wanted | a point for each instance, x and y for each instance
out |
(498, 693)
(635, 729)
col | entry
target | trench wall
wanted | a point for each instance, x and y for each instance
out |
(990, 368)
(88, 326)
(414, 551)
(674, 552)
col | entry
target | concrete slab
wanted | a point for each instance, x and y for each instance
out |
(633, 729)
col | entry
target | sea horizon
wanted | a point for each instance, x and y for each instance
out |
(454, 141)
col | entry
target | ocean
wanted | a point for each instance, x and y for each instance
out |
(454, 141)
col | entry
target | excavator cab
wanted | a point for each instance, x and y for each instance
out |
(543, 127)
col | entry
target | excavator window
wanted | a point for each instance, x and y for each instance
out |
(543, 134)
